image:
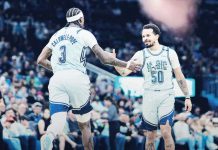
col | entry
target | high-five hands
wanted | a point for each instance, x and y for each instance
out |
(132, 65)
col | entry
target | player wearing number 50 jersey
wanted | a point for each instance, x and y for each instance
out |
(158, 63)
(69, 86)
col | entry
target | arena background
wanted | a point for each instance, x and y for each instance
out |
(188, 26)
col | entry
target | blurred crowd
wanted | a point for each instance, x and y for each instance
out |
(30, 28)
(23, 125)
(25, 29)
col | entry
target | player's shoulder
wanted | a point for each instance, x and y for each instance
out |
(84, 32)
(77, 30)
(171, 51)
(168, 49)
(56, 33)
(141, 51)
(86, 35)
(138, 54)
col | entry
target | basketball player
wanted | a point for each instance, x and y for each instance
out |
(158, 62)
(69, 86)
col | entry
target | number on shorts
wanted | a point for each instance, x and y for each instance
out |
(62, 58)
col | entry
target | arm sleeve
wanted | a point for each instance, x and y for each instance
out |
(174, 59)
(89, 38)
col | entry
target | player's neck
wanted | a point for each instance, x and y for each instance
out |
(155, 47)
(74, 25)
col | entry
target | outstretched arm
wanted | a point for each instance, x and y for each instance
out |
(107, 58)
(123, 71)
(43, 58)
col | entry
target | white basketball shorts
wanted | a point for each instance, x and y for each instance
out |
(70, 89)
(158, 108)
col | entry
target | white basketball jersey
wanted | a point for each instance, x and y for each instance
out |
(157, 70)
(69, 46)
(157, 67)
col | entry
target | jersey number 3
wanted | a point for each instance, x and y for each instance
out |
(62, 59)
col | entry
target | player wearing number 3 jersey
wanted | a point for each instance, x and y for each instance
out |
(158, 63)
(69, 86)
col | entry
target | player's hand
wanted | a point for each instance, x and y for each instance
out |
(114, 53)
(134, 66)
(188, 104)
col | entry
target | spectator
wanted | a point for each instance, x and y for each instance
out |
(113, 120)
(22, 109)
(181, 130)
(33, 81)
(197, 128)
(35, 116)
(98, 105)
(124, 134)
(197, 111)
(43, 123)
(31, 98)
(71, 133)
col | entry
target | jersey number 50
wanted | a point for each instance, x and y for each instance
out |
(157, 76)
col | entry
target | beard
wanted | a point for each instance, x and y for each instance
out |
(150, 45)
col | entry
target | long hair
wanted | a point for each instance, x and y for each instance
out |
(72, 12)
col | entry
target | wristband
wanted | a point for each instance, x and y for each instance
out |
(128, 64)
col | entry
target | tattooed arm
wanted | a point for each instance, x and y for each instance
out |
(181, 81)
(107, 58)
(183, 86)
(43, 58)
(123, 71)
(110, 59)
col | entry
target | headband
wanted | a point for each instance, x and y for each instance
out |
(74, 18)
